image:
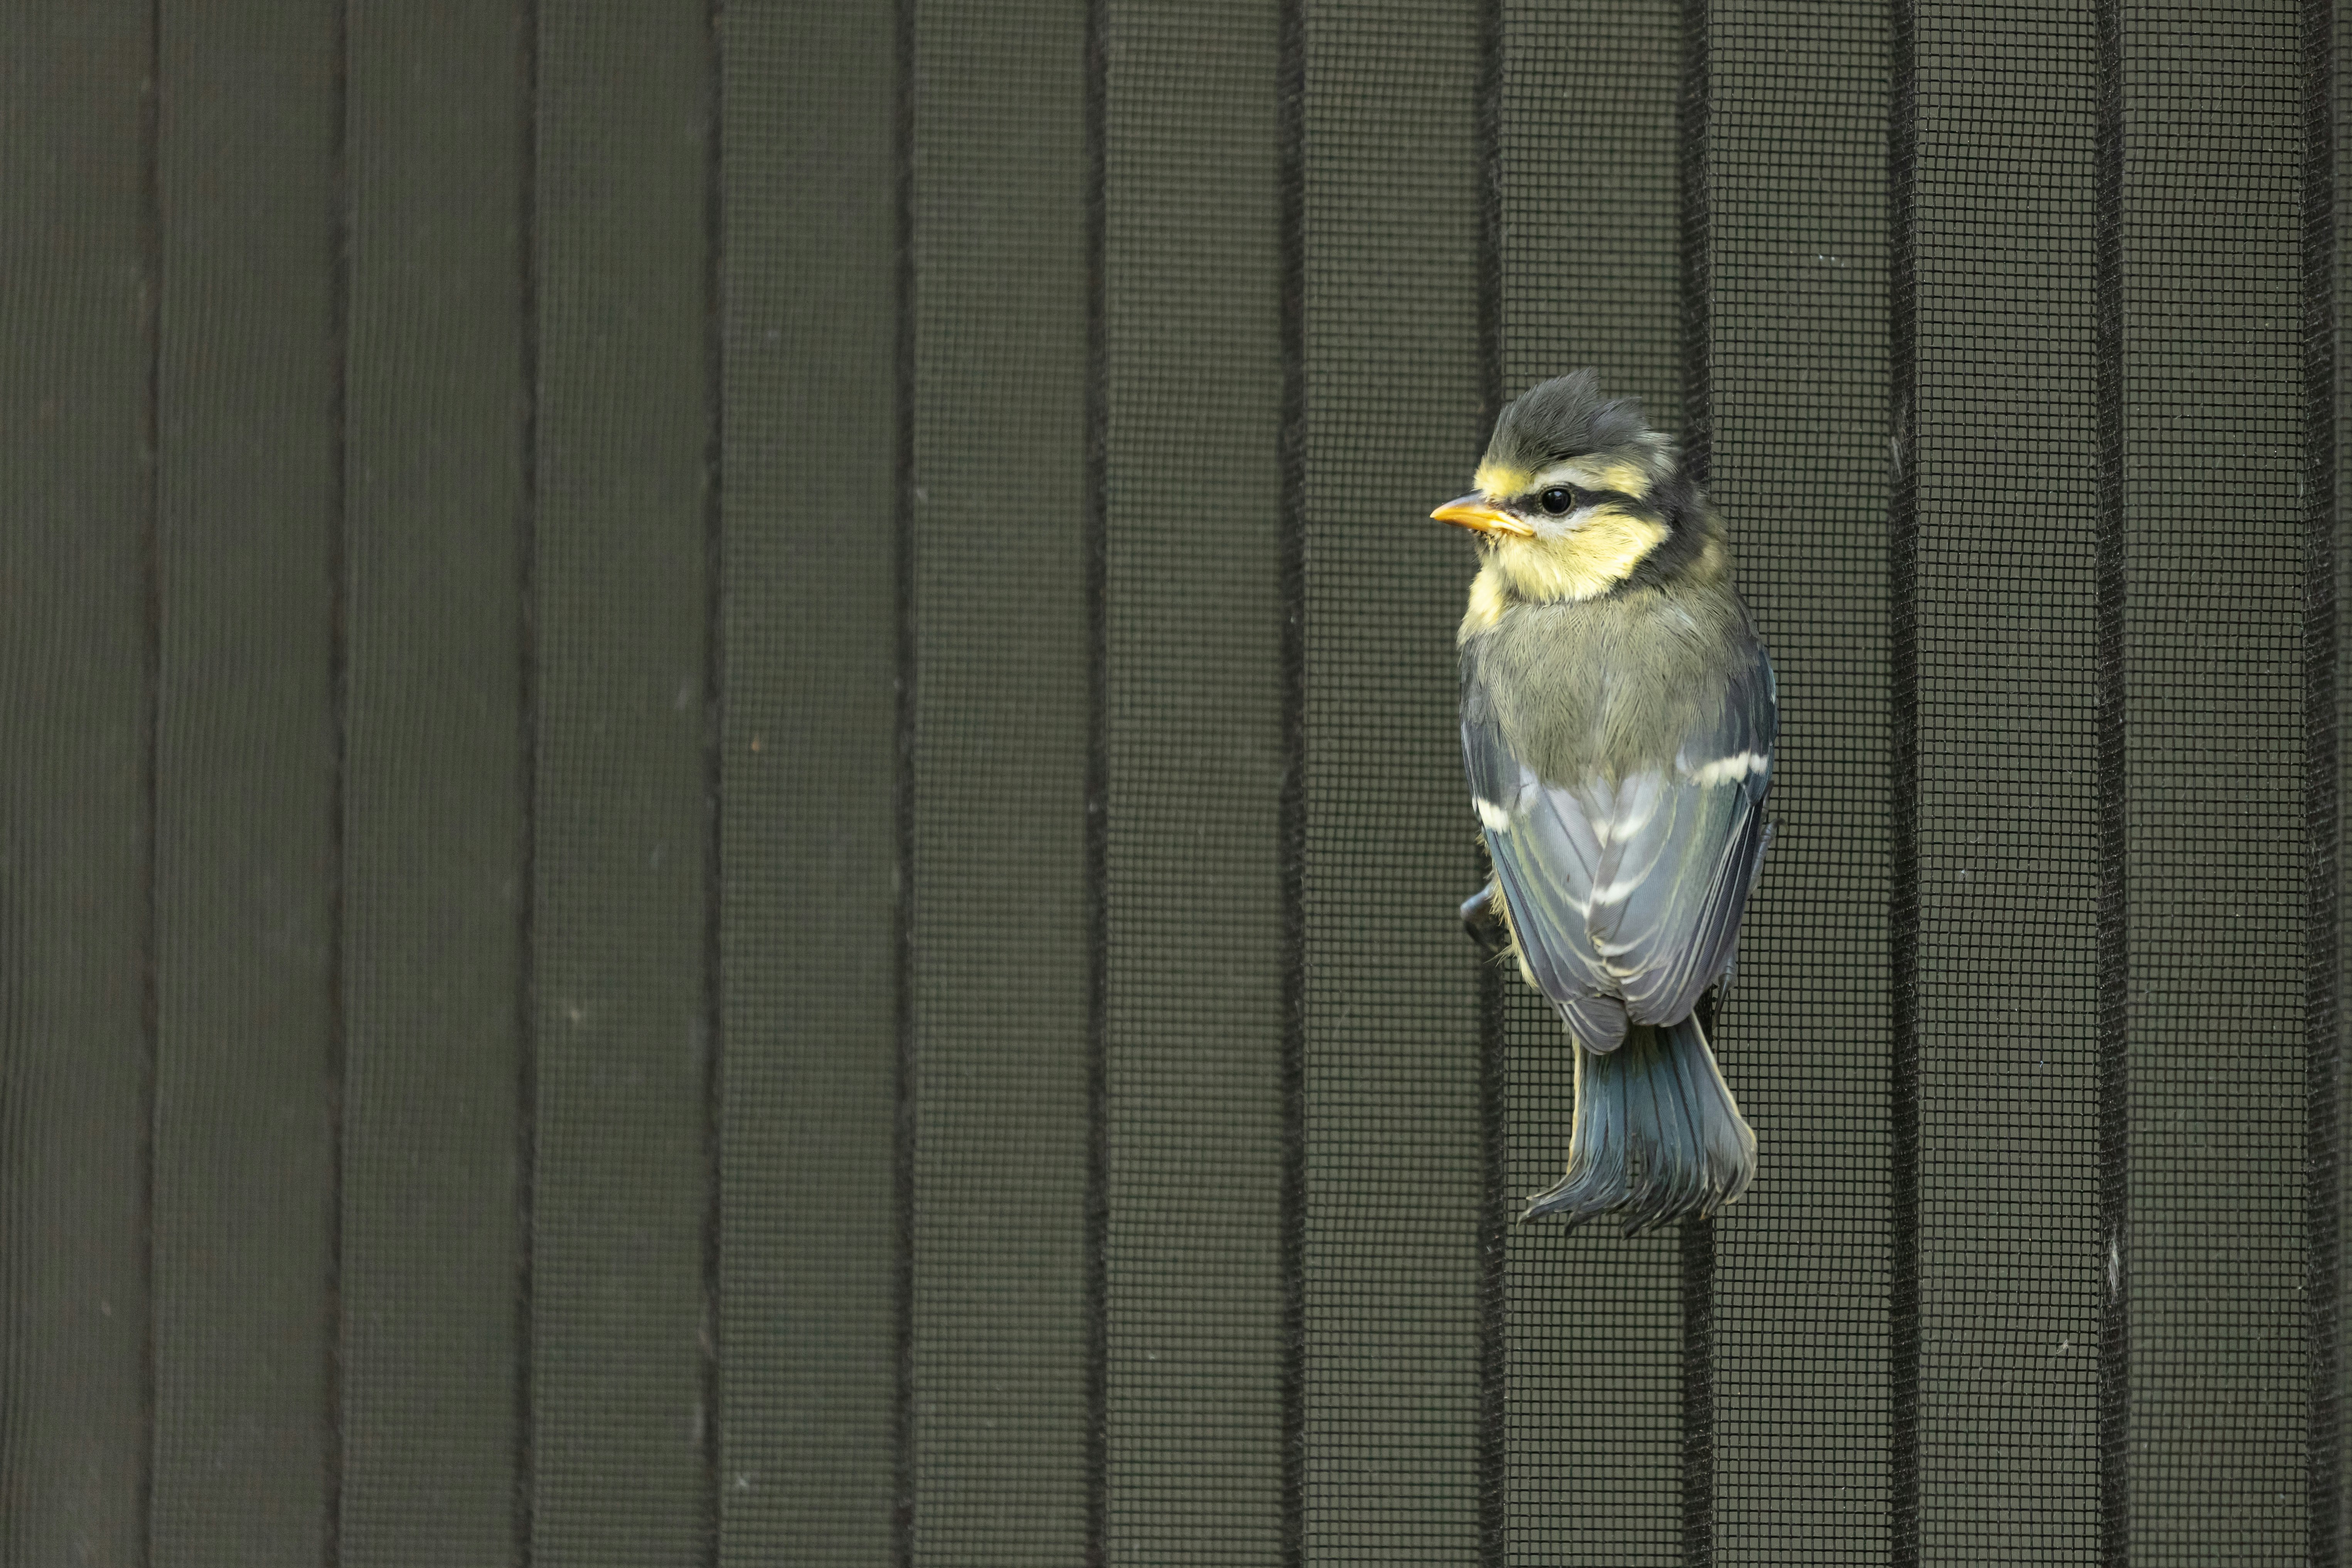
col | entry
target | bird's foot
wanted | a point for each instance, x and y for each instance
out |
(1482, 917)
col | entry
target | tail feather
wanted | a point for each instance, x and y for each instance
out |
(1657, 1134)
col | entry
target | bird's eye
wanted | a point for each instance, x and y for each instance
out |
(1558, 501)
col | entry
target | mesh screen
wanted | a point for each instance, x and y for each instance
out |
(622, 1043)
(1394, 1165)
(809, 1149)
(1193, 1024)
(734, 816)
(77, 718)
(1590, 276)
(246, 1025)
(2213, 354)
(1002, 728)
(433, 1028)
(2008, 877)
(1798, 181)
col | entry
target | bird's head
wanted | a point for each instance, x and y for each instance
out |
(1578, 497)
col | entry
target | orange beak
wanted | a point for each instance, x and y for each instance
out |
(1474, 512)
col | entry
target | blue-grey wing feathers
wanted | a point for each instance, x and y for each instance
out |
(1625, 894)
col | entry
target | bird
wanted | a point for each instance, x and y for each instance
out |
(1619, 713)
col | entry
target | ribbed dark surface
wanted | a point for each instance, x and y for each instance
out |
(1590, 276)
(1001, 737)
(1193, 730)
(732, 813)
(810, 838)
(2324, 560)
(434, 856)
(621, 822)
(2008, 866)
(1394, 1167)
(1800, 468)
(247, 874)
(2213, 731)
(76, 697)
(1905, 1307)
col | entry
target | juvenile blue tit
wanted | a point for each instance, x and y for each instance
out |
(1618, 715)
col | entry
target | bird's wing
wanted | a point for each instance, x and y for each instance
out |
(1626, 895)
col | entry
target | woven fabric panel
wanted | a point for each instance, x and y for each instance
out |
(1591, 276)
(2009, 874)
(1193, 1024)
(1798, 181)
(418, 771)
(2330, 1069)
(74, 723)
(621, 826)
(808, 1312)
(1394, 427)
(1001, 947)
(246, 774)
(435, 792)
(2212, 253)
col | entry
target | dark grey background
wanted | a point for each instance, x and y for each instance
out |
(479, 969)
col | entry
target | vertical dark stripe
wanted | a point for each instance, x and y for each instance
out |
(1290, 110)
(1095, 543)
(1698, 441)
(903, 1514)
(1697, 1246)
(1487, 128)
(338, 694)
(1903, 659)
(1493, 1265)
(1696, 238)
(526, 1472)
(714, 711)
(2322, 955)
(1494, 1041)
(2114, 1021)
(151, 265)
(1494, 1262)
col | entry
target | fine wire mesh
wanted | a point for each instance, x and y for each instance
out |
(1195, 949)
(2008, 866)
(1394, 1167)
(1000, 761)
(504, 377)
(2213, 434)
(808, 1147)
(75, 706)
(247, 762)
(1591, 278)
(1798, 176)
(434, 789)
(621, 1029)
(2327, 283)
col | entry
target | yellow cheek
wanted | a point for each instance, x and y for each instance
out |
(1585, 564)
